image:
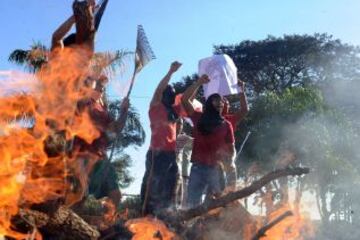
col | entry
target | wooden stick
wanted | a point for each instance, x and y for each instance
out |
(261, 232)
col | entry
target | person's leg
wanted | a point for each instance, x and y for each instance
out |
(213, 178)
(197, 185)
(166, 174)
(185, 185)
(145, 180)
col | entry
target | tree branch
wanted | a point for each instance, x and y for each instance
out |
(185, 215)
(261, 232)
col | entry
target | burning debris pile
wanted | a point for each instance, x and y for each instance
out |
(53, 136)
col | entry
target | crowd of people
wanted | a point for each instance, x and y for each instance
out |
(210, 148)
(208, 145)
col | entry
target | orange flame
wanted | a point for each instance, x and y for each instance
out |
(149, 228)
(27, 174)
(296, 227)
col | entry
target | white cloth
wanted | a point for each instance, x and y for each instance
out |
(222, 73)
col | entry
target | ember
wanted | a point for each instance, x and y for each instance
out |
(150, 228)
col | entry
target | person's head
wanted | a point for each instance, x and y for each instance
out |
(168, 96)
(215, 102)
(225, 110)
(212, 116)
(168, 100)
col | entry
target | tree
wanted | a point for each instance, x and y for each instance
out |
(276, 64)
(133, 134)
(33, 59)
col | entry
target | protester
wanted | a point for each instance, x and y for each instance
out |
(85, 22)
(213, 142)
(103, 179)
(183, 155)
(159, 181)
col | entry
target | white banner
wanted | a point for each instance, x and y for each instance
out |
(222, 73)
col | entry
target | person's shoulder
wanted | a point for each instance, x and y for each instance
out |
(227, 123)
(229, 117)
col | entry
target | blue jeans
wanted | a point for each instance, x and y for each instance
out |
(203, 178)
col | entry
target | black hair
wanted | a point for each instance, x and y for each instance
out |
(168, 100)
(211, 118)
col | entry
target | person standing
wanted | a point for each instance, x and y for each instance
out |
(159, 181)
(213, 142)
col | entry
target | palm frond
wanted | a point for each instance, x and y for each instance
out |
(19, 56)
(111, 62)
(33, 59)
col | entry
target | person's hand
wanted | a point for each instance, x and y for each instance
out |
(204, 79)
(241, 84)
(175, 66)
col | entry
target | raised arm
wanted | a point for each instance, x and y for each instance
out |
(60, 33)
(189, 94)
(244, 108)
(164, 82)
(99, 13)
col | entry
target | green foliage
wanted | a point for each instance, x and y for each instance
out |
(121, 163)
(33, 59)
(270, 114)
(133, 206)
(133, 134)
(276, 64)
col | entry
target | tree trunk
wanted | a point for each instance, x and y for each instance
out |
(63, 224)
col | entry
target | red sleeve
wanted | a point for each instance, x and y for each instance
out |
(229, 138)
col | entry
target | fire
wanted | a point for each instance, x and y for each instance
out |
(295, 227)
(28, 173)
(149, 228)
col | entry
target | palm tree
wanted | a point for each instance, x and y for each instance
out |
(33, 58)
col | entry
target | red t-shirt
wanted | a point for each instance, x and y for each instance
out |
(163, 132)
(209, 149)
(232, 119)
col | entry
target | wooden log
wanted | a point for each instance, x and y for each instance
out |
(62, 224)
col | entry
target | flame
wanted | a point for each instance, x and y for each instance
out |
(296, 227)
(149, 228)
(28, 175)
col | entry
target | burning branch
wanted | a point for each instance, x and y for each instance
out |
(247, 191)
(261, 232)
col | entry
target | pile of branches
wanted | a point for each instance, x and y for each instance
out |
(64, 223)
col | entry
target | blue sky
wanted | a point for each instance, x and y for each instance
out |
(177, 30)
